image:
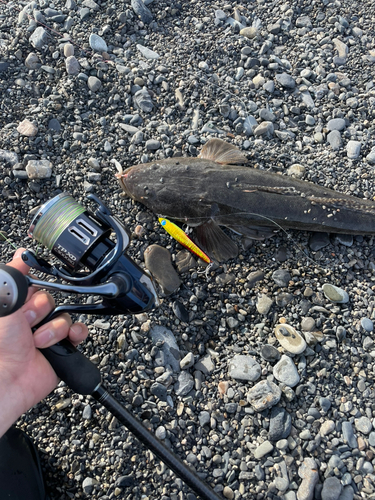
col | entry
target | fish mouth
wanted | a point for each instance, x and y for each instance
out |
(122, 180)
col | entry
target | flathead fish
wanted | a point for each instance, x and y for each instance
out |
(216, 189)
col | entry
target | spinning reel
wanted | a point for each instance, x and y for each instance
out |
(93, 264)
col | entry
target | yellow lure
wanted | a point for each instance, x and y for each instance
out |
(178, 234)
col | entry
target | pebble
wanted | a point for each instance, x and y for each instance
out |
(353, 149)
(68, 50)
(285, 371)
(270, 353)
(290, 339)
(334, 139)
(32, 61)
(263, 395)
(162, 335)
(39, 38)
(142, 11)
(27, 128)
(318, 241)
(264, 304)
(327, 427)
(97, 43)
(280, 424)
(249, 32)
(281, 277)
(243, 367)
(363, 424)
(371, 157)
(263, 449)
(9, 157)
(142, 100)
(336, 124)
(331, 488)
(308, 471)
(152, 145)
(285, 80)
(72, 66)
(158, 262)
(367, 324)
(146, 52)
(184, 384)
(180, 311)
(348, 435)
(39, 169)
(94, 84)
(335, 294)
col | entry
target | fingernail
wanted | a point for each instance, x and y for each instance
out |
(77, 329)
(42, 338)
(30, 315)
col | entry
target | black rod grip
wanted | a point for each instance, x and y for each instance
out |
(71, 366)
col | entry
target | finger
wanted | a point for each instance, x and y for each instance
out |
(52, 332)
(38, 306)
(77, 333)
(18, 263)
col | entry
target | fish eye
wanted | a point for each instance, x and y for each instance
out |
(163, 222)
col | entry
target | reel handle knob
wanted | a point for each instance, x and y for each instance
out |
(13, 290)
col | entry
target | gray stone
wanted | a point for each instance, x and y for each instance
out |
(88, 485)
(39, 38)
(204, 418)
(264, 304)
(336, 124)
(318, 241)
(72, 66)
(280, 424)
(264, 129)
(142, 100)
(94, 84)
(331, 488)
(308, 471)
(353, 149)
(285, 80)
(39, 169)
(325, 404)
(371, 157)
(142, 11)
(285, 371)
(348, 435)
(263, 395)
(97, 43)
(335, 294)
(243, 367)
(263, 449)
(270, 353)
(184, 384)
(205, 365)
(303, 22)
(363, 424)
(32, 61)
(367, 324)
(152, 145)
(54, 124)
(147, 53)
(9, 157)
(334, 139)
(160, 334)
(281, 277)
(158, 262)
(347, 493)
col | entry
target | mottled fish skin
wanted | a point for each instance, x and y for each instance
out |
(198, 190)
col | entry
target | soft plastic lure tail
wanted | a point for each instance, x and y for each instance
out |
(178, 234)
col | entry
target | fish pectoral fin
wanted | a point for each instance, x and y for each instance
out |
(215, 242)
(222, 152)
(253, 232)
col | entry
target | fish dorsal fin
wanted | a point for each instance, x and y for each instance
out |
(215, 242)
(222, 152)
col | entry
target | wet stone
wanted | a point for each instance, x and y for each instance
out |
(263, 395)
(280, 424)
(285, 371)
(243, 367)
(270, 353)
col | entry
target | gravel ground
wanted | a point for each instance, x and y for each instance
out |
(257, 415)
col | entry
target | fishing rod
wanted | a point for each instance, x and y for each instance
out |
(93, 264)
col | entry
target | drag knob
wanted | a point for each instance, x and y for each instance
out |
(13, 290)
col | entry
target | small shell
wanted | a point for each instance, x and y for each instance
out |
(290, 339)
(117, 165)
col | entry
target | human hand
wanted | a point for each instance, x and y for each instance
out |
(26, 377)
